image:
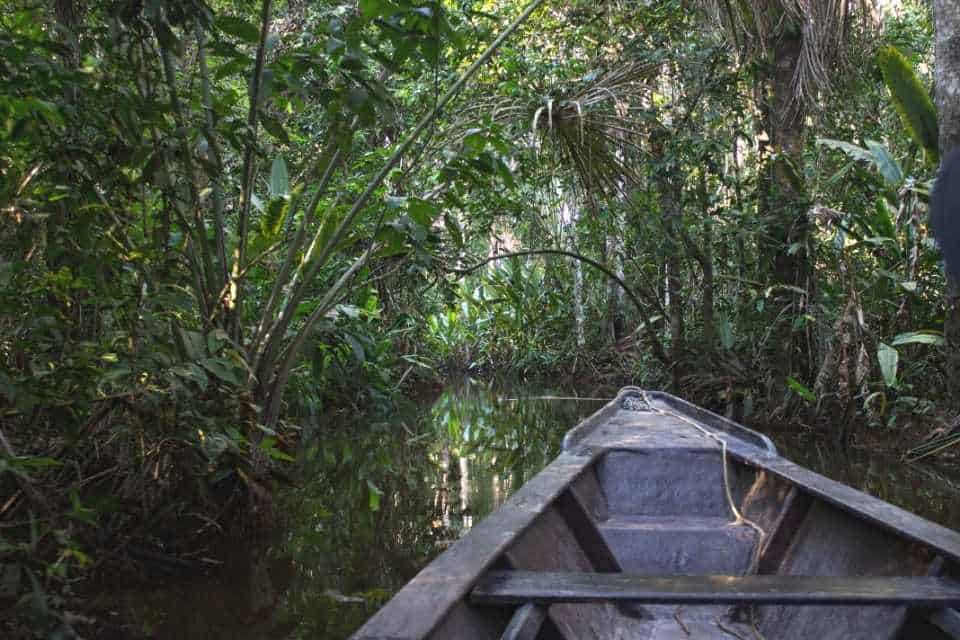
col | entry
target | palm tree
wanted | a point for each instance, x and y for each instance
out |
(796, 46)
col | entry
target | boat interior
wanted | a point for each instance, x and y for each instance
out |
(662, 521)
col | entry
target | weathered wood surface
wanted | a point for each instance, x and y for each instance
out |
(512, 587)
(525, 623)
(585, 531)
(873, 510)
(422, 604)
(781, 534)
(647, 431)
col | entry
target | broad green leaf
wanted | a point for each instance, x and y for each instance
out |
(801, 390)
(234, 26)
(453, 229)
(422, 212)
(194, 344)
(358, 352)
(887, 165)
(726, 333)
(931, 337)
(223, 369)
(373, 8)
(888, 358)
(883, 217)
(279, 179)
(193, 373)
(854, 151)
(911, 100)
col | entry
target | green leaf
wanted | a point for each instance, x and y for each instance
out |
(375, 494)
(358, 352)
(422, 212)
(193, 373)
(375, 8)
(223, 369)
(912, 102)
(931, 337)
(279, 179)
(887, 165)
(194, 344)
(875, 153)
(274, 127)
(883, 217)
(453, 229)
(888, 358)
(726, 333)
(801, 390)
(234, 26)
(270, 225)
(854, 151)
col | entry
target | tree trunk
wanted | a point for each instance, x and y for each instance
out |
(946, 15)
(614, 292)
(787, 213)
(670, 215)
(578, 312)
(707, 303)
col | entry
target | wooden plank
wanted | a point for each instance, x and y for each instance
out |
(586, 533)
(948, 621)
(433, 593)
(911, 526)
(525, 623)
(512, 587)
(795, 509)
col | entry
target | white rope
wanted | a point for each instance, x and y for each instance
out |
(739, 518)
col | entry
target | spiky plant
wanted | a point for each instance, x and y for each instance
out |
(592, 128)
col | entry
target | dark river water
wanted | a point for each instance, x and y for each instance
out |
(379, 500)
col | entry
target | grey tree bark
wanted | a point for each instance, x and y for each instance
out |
(946, 15)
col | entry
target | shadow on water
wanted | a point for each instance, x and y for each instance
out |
(378, 501)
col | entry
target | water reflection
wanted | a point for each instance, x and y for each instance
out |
(379, 502)
(922, 488)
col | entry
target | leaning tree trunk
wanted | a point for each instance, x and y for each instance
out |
(946, 15)
(787, 211)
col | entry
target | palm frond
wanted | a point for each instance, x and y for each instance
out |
(826, 28)
(593, 129)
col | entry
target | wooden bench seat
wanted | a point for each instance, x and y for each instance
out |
(520, 587)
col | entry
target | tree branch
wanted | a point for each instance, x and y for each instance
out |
(655, 345)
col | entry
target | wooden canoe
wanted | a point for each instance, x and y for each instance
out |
(662, 520)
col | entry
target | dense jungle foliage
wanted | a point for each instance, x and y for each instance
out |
(225, 219)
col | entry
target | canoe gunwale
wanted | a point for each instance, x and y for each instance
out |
(588, 425)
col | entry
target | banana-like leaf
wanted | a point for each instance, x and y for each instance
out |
(888, 358)
(913, 103)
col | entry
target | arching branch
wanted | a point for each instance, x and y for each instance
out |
(655, 345)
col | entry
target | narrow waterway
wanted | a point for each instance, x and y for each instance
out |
(376, 501)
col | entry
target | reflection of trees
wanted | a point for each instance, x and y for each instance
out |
(378, 503)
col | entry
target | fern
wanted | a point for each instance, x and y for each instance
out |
(911, 100)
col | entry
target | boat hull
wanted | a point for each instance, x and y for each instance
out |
(650, 488)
